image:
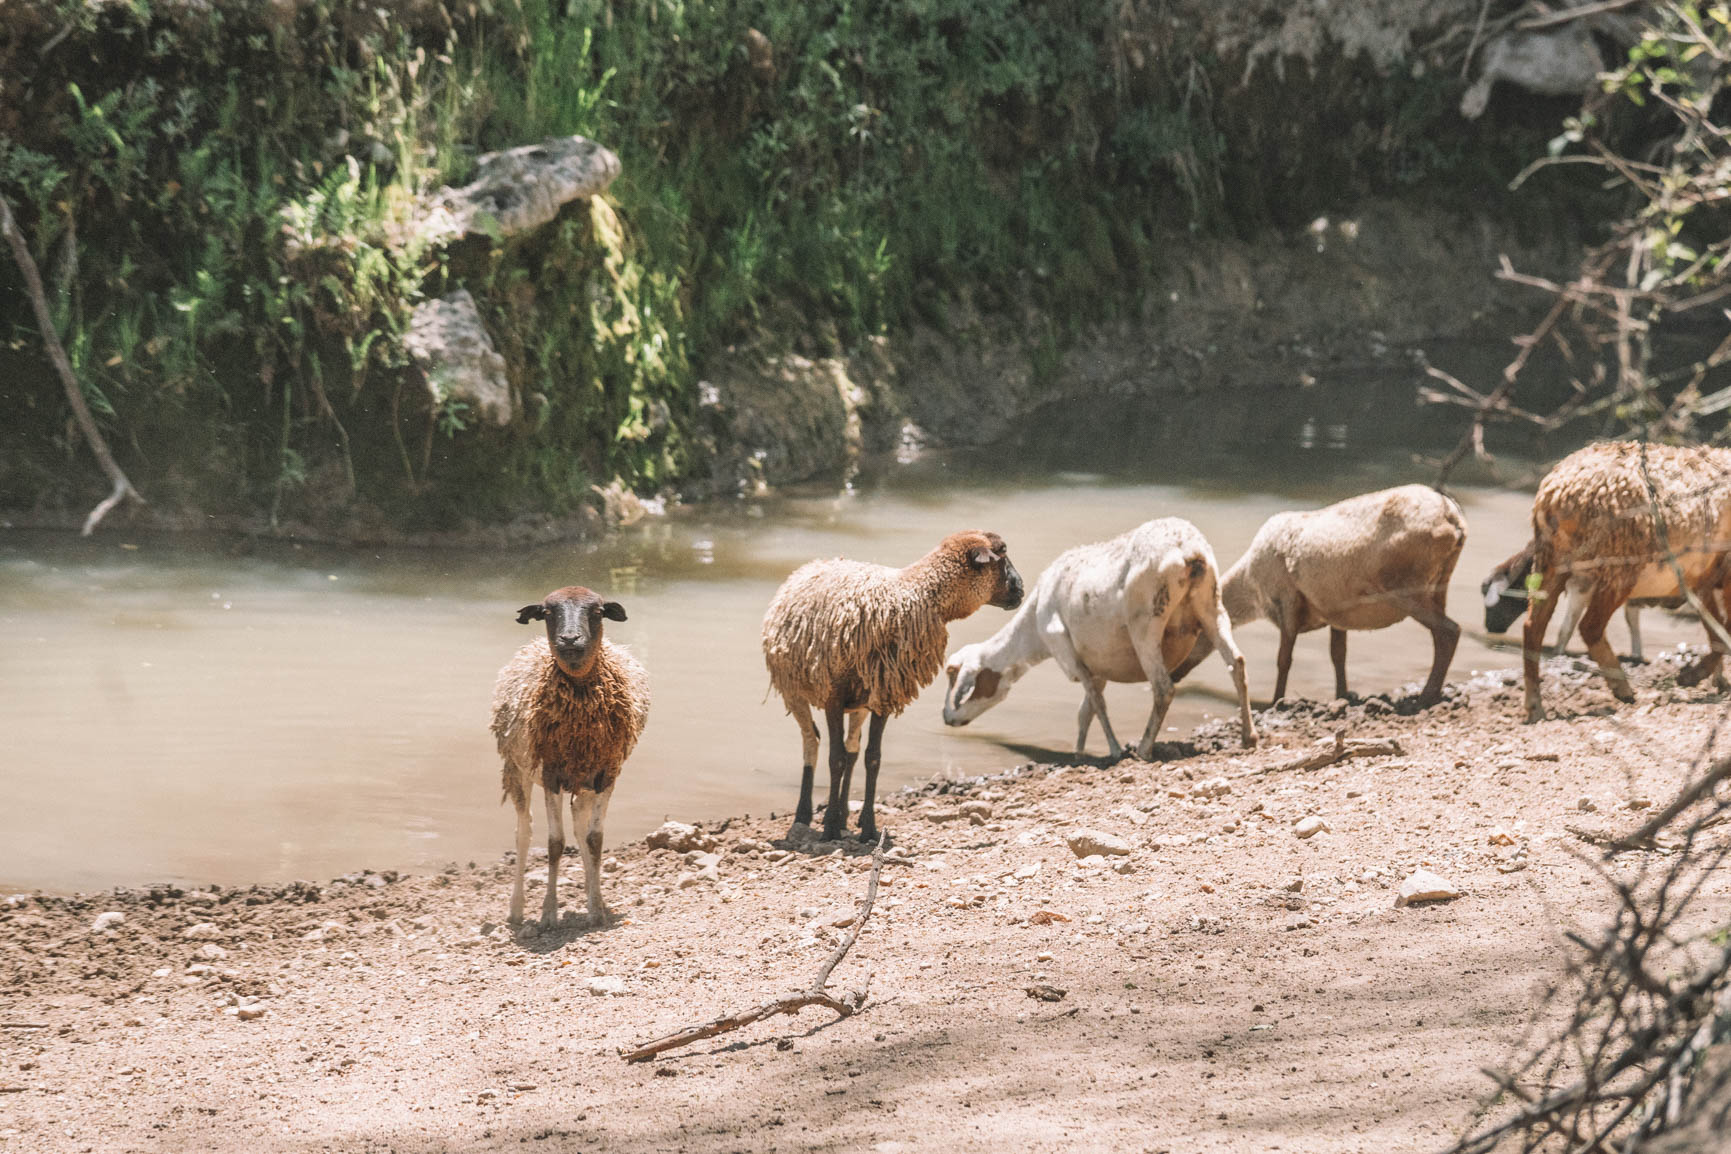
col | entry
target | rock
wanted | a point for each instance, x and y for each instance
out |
(1044, 993)
(979, 809)
(681, 838)
(1310, 827)
(486, 1095)
(203, 931)
(449, 341)
(1298, 922)
(249, 1013)
(941, 816)
(1126, 866)
(1213, 787)
(1089, 842)
(1501, 836)
(519, 189)
(605, 986)
(1561, 61)
(107, 921)
(1132, 815)
(1423, 886)
(1587, 805)
(1046, 918)
(211, 952)
(1024, 872)
(1294, 886)
(1640, 802)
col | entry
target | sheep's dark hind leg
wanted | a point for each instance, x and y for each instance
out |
(1337, 654)
(835, 815)
(868, 826)
(808, 741)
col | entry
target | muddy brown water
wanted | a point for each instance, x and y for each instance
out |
(207, 711)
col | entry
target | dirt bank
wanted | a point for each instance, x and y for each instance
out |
(1228, 985)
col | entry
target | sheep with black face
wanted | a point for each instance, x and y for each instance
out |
(567, 711)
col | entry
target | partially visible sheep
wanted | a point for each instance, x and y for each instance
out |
(1594, 520)
(1363, 563)
(1505, 592)
(1130, 609)
(567, 711)
(849, 637)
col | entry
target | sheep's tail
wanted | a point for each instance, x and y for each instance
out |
(1197, 566)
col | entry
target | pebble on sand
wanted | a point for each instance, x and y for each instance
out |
(1423, 886)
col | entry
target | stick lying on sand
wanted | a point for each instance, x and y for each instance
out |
(846, 1003)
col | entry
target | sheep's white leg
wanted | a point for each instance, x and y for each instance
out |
(1576, 605)
(555, 850)
(855, 721)
(1084, 722)
(588, 811)
(1147, 631)
(1218, 635)
(523, 833)
(808, 742)
(1064, 654)
(1632, 615)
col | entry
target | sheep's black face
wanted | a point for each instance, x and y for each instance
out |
(574, 617)
(1505, 591)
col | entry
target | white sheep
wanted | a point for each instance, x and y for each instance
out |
(1594, 519)
(849, 637)
(567, 711)
(1128, 610)
(1363, 563)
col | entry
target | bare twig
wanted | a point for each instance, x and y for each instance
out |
(1568, 14)
(57, 353)
(1342, 749)
(846, 1003)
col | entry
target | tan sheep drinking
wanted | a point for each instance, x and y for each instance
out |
(567, 711)
(850, 638)
(1363, 563)
(1594, 521)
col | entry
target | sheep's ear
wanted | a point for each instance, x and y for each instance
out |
(1495, 590)
(613, 611)
(530, 613)
(984, 556)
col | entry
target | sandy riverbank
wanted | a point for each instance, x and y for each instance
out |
(1228, 985)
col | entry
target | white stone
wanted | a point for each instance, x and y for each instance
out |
(604, 986)
(203, 931)
(681, 838)
(1423, 886)
(107, 921)
(449, 341)
(211, 952)
(1310, 827)
(1088, 842)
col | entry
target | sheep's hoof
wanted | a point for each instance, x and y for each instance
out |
(1250, 741)
(869, 836)
(600, 919)
(1535, 714)
(1627, 696)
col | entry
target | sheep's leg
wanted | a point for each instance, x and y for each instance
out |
(1084, 722)
(1540, 606)
(523, 833)
(1217, 634)
(1576, 605)
(1283, 662)
(808, 741)
(835, 815)
(1146, 636)
(1337, 654)
(555, 850)
(855, 722)
(1698, 671)
(588, 811)
(1205, 645)
(874, 754)
(1445, 635)
(1603, 603)
(1067, 659)
(1632, 615)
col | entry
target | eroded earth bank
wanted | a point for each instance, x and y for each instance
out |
(1227, 984)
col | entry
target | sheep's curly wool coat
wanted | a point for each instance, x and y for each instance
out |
(866, 632)
(1593, 515)
(567, 734)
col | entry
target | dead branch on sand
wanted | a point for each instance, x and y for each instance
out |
(1342, 749)
(845, 1003)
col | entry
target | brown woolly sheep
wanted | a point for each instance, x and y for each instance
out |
(1363, 563)
(1594, 519)
(850, 637)
(567, 710)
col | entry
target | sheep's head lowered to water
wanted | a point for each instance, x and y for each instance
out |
(574, 617)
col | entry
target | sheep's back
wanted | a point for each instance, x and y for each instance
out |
(852, 629)
(1594, 511)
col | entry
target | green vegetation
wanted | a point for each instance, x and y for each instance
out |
(219, 196)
